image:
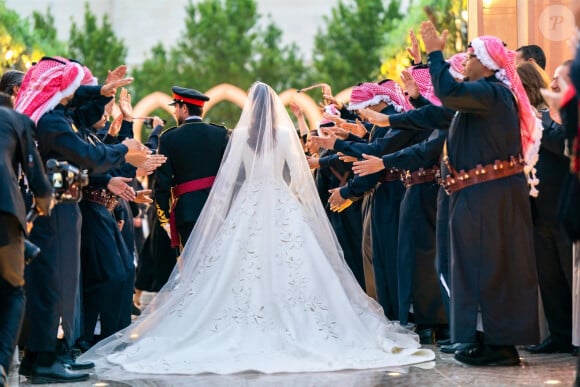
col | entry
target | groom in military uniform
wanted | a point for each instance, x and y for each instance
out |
(194, 151)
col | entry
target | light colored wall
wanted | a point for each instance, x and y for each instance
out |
(144, 23)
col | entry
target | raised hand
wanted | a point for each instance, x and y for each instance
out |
(115, 126)
(414, 50)
(125, 105)
(431, 38)
(296, 109)
(118, 185)
(110, 89)
(118, 73)
(370, 164)
(410, 84)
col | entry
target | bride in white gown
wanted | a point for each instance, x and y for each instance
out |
(262, 284)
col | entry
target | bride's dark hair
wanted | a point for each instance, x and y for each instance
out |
(263, 116)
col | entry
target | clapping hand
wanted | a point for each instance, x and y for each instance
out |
(142, 197)
(118, 185)
(137, 154)
(410, 84)
(414, 51)
(357, 128)
(326, 141)
(125, 105)
(346, 159)
(153, 162)
(431, 38)
(336, 202)
(370, 164)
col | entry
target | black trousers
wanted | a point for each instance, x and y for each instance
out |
(442, 247)
(12, 302)
(52, 278)
(384, 240)
(554, 264)
(11, 293)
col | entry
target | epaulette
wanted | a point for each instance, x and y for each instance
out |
(167, 130)
(218, 125)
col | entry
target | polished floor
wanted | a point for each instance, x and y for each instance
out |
(535, 370)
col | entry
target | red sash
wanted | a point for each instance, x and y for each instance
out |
(176, 192)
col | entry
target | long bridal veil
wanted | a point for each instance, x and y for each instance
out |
(261, 283)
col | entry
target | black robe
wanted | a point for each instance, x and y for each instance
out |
(348, 224)
(385, 208)
(418, 278)
(491, 243)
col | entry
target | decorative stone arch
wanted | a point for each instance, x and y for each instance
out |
(147, 105)
(231, 93)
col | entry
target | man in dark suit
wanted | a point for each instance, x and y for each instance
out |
(194, 151)
(17, 150)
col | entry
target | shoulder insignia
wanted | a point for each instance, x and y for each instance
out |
(168, 130)
(218, 125)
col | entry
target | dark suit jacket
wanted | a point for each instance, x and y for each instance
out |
(17, 148)
(194, 150)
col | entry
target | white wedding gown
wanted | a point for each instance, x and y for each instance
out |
(266, 293)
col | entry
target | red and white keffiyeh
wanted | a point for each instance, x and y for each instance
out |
(45, 84)
(492, 53)
(368, 94)
(423, 79)
(456, 65)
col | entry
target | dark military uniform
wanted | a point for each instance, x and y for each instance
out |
(52, 278)
(194, 152)
(17, 148)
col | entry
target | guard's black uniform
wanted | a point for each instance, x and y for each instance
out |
(58, 236)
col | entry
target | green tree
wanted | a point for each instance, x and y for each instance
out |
(222, 43)
(45, 32)
(445, 14)
(95, 46)
(348, 51)
(19, 46)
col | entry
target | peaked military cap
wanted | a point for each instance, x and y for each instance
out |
(189, 96)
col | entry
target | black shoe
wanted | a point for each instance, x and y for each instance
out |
(56, 373)
(489, 355)
(426, 335)
(66, 356)
(26, 364)
(135, 311)
(575, 350)
(442, 335)
(550, 346)
(440, 343)
(452, 348)
(83, 345)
